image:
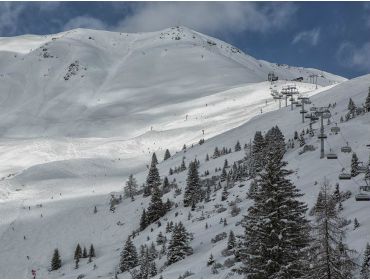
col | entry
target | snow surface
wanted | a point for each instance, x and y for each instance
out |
(67, 144)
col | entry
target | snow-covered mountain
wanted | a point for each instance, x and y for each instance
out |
(84, 108)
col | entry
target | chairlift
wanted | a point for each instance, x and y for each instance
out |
(335, 129)
(365, 188)
(346, 149)
(331, 155)
(362, 197)
(307, 101)
(313, 109)
(303, 112)
(298, 105)
(345, 176)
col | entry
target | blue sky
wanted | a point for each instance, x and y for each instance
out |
(332, 36)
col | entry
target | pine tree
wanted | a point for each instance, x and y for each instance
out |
(78, 252)
(354, 165)
(207, 157)
(302, 142)
(152, 270)
(153, 179)
(165, 186)
(178, 247)
(367, 102)
(183, 165)
(329, 255)
(144, 264)
(143, 220)
(91, 253)
(252, 189)
(131, 187)
(56, 263)
(167, 154)
(237, 146)
(216, 153)
(154, 159)
(156, 208)
(192, 190)
(231, 242)
(365, 267)
(276, 230)
(84, 253)
(224, 194)
(129, 257)
(257, 156)
(351, 106)
(356, 224)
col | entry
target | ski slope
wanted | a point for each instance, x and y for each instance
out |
(76, 141)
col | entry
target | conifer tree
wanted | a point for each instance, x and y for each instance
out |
(216, 153)
(183, 165)
(231, 242)
(192, 190)
(129, 258)
(152, 270)
(302, 142)
(84, 253)
(365, 267)
(131, 187)
(156, 208)
(207, 157)
(257, 156)
(275, 241)
(167, 154)
(56, 263)
(367, 102)
(351, 105)
(78, 252)
(237, 146)
(224, 194)
(165, 186)
(354, 165)
(211, 260)
(144, 264)
(154, 159)
(178, 247)
(91, 253)
(329, 255)
(153, 179)
(143, 220)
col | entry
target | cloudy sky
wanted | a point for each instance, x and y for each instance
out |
(332, 36)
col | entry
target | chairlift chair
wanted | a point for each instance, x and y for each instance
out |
(346, 149)
(335, 129)
(313, 109)
(362, 197)
(331, 156)
(345, 176)
(326, 115)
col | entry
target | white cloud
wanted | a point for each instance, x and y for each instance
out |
(84, 22)
(355, 57)
(208, 17)
(309, 36)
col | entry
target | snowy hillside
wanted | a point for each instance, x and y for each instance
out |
(89, 125)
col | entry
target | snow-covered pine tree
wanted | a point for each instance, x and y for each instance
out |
(78, 252)
(153, 253)
(224, 194)
(178, 247)
(84, 253)
(354, 165)
(156, 208)
(153, 179)
(252, 189)
(152, 270)
(275, 242)
(351, 106)
(356, 224)
(329, 256)
(302, 142)
(211, 260)
(143, 220)
(131, 187)
(144, 264)
(129, 258)
(365, 267)
(165, 186)
(91, 253)
(257, 156)
(231, 242)
(216, 153)
(167, 154)
(207, 157)
(367, 102)
(192, 190)
(237, 146)
(154, 159)
(56, 262)
(183, 165)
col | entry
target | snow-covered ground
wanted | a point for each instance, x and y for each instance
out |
(67, 144)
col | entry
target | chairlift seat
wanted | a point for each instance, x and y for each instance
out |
(346, 149)
(335, 129)
(331, 156)
(362, 197)
(345, 176)
(362, 169)
(298, 105)
(365, 188)
(313, 109)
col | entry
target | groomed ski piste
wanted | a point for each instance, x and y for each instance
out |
(74, 143)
